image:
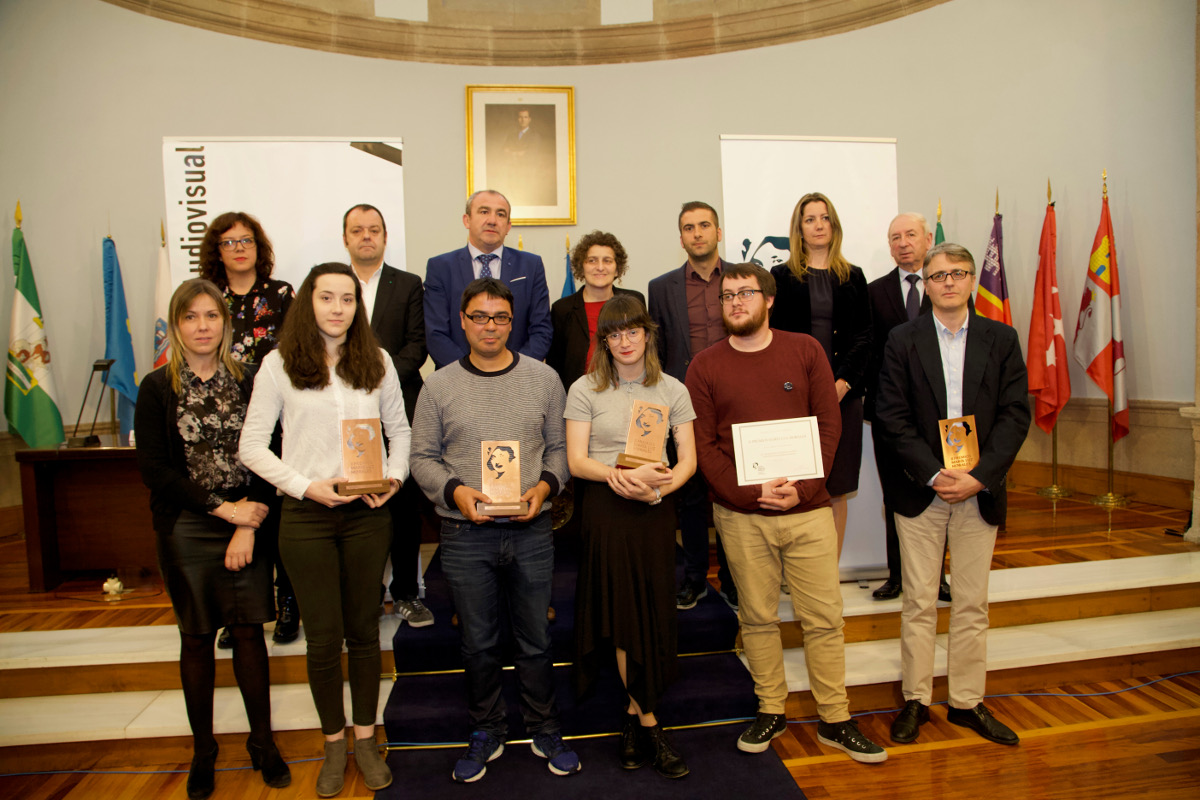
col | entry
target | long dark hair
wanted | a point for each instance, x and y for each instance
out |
(213, 268)
(360, 362)
(620, 313)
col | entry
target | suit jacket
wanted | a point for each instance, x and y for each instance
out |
(851, 322)
(398, 319)
(668, 309)
(569, 347)
(912, 399)
(887, 311)
(448, 274)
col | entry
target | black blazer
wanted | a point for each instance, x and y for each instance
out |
(851, 322)
(570, 342)
(912, 399)
(398, 319)
(887, 311)
(668, 309)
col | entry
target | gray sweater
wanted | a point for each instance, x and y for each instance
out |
(461, 407)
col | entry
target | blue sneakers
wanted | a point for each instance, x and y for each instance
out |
(563, 760)
(481, 749)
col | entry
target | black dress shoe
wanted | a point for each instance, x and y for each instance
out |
(225, 639)
(287, 627)
(908, 722)
(944, 591)
(201, 777)
(890, 590)
(634, 753)
(667, 761)
(980, 720)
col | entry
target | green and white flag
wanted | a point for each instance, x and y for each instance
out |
(30, 401)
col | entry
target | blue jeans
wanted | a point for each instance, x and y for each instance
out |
(487, 565)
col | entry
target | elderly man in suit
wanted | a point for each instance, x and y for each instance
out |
(485, 256)
(394, 303)
(942, 366)
(896, 298)
(685, 304)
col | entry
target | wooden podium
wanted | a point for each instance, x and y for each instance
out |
(86, 511)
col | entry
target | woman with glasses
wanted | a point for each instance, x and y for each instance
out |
(822, 294)
(207, 506)
(237, 256)
(598, 262)
(625, 594)
(328, 368)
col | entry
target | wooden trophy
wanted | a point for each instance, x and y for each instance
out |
(501, 473)
(648, 425)
(362, 458)
(960, 442)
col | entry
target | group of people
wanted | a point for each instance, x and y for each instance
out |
(230, 424)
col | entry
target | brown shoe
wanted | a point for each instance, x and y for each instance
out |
(332, 776)
(375, 771)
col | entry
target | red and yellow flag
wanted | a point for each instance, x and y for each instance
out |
(1049, 379)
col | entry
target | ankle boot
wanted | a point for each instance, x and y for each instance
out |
(634, 753)
(667, 760)
(375, 771)
(201, 776)
(287, 627)
(333, 769)
(275, 771)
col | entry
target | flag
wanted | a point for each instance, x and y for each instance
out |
(30, 400)
(569, 281)
(1098, 346)
(162, 305)
(940, 235)
(1049, 380)
(991, 300)
(118, 345)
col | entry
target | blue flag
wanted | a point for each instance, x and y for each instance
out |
(118, 343)
(569, 281)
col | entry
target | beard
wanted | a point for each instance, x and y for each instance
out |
(747, 326)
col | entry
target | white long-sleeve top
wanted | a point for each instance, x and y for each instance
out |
(312, 440)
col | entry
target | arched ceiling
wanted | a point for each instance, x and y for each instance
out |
(528, 32)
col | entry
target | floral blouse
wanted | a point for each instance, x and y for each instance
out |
(210, 416)
(257, 318)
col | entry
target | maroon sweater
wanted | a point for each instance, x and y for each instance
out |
(729, 386)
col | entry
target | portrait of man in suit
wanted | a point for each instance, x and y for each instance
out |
(521, 152)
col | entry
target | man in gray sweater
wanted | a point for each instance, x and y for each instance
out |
(494, 394)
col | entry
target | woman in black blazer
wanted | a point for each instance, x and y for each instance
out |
(822, 294)
(598, 261)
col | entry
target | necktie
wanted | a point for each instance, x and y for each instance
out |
(484, 259)
(912, 303)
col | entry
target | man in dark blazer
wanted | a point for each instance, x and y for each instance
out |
(895, 299)
(685, 305)
(487, 223)
(942, 366)
(394, 303)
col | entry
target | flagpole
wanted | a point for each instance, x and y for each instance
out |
(1110, 499)
(1054, 491)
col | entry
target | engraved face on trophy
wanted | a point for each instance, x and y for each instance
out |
(960, 442)
(501, 478)
(362, 458)
(648, 425)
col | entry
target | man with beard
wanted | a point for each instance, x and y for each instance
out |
(780, 531)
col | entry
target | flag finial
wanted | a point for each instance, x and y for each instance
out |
(568, 244)
(1104, 177)
(997, 199)
(17, 214)
(939, 216)
(162, 232)
(1049, 199)
(520, 243)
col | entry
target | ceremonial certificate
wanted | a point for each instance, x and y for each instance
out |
(780, 448)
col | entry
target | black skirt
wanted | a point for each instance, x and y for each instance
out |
(847, 461)
(625, 595)
(205, 595)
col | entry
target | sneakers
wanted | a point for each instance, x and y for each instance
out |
(481, 749)
(414, 612)
(729, 595)
(563, 760)
(845, 736)
(690, 593)
(758, 736)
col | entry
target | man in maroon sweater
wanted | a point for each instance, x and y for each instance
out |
(780, 531)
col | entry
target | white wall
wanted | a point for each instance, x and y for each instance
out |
(979, 94)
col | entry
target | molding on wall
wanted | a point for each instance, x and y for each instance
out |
(561, 38)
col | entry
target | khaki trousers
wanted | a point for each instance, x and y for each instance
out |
(801, 550)
(922, 539)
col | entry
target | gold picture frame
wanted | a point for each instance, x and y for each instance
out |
(521, 142)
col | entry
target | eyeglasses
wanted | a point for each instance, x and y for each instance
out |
(480, 318)
(744, 294)
(230, 244)
(957, 274)
(634, 335)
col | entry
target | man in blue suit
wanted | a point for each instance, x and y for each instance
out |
(485, 256)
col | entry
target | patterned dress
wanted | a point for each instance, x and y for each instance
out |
(257, 318)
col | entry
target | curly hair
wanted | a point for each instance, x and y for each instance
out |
(360, 362)
(579, 254)
(213, 268)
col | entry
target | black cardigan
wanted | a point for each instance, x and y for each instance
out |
(569, 345)
(851, 322)
(160, 453)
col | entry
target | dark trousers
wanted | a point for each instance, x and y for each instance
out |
(487, 566)
(336, 558)
(405, 510)
(692, 506)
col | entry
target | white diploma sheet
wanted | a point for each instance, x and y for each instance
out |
(781, 448)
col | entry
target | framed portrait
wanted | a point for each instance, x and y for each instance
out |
(521, 143)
